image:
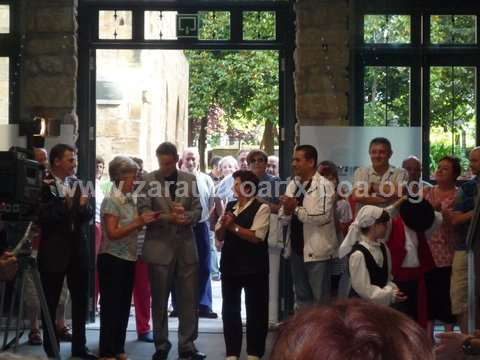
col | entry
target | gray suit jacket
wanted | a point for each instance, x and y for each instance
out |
(164, 241)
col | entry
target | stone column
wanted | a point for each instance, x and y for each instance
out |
(321, 62)
(49, 86)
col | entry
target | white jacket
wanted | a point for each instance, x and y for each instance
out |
(316, 214)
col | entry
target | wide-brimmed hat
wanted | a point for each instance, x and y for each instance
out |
(417, 214)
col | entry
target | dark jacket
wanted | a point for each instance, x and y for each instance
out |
(63, 238)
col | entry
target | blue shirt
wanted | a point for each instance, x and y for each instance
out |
(465, 202)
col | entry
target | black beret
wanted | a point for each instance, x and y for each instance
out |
(417, 214)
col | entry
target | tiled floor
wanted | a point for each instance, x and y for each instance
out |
(210, 340)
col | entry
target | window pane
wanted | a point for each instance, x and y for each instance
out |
(115, 25)
(452, 113)
(453, 29)
(4, 89)
(4, 19)
(259, 25)
(214, 25)
(160, 25)
(386, 29)
(387, 96)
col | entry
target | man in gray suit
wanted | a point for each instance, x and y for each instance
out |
(171, 252)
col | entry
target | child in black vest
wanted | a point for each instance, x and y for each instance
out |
(369, 262)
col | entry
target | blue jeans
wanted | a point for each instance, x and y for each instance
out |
(214, 270)
(311, 281)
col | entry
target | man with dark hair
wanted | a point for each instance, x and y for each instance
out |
(64, 210)
(215, 172)
(242, 159)
(381, 183)
(171, 252)
(308, 209)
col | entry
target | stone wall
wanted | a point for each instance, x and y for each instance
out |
(321, 62)
(49, 77)
(150, 102)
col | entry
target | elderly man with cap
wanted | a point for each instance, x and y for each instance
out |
(413, 167)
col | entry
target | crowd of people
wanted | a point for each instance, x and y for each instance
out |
(391, 240)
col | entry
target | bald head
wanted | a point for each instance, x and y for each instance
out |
(413, 166)
(40, 155)
(475, 161)
(190, 160)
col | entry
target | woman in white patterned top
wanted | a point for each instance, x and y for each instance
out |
(117, 257)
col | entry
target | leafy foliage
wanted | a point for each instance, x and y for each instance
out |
(452, 89)
(243, 85)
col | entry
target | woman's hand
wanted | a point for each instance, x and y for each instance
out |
(148, 217)
(227, 220)
(450, 346)
(218, 245)
(399, 296)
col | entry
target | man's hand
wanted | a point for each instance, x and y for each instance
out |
(289, 204)
(84, 200)
(8, 266)
(178, 215)
(450, 346)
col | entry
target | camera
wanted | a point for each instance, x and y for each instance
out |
(21, 179)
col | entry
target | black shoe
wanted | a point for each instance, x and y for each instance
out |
(160, 355)
(207, 314)
(86, 354)
(147, 337)
(192, 355)
(174, 313)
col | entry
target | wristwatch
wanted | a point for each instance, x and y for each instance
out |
(469, 349)
(237, 229)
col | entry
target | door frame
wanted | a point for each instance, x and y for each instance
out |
(89, 43)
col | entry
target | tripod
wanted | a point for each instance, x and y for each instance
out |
(27, 263)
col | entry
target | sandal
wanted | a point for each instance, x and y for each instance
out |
(35, 338)
(64, 334)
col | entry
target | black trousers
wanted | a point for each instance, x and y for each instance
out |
(116, 278)
(77, 281)
(256, 301)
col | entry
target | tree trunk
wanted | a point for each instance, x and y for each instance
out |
(202, 142)
(268, 140)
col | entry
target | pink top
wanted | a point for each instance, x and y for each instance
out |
(442, 240)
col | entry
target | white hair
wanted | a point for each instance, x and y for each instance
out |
(228, 159)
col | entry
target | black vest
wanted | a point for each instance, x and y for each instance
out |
(378, 275)
(239, 256)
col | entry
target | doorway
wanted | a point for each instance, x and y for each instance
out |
(137, 80)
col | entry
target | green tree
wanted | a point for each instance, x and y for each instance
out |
(240, 88)
(452, 89)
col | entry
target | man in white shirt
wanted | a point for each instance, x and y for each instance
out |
(307, 208)
(381, 183)
(206, 189)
